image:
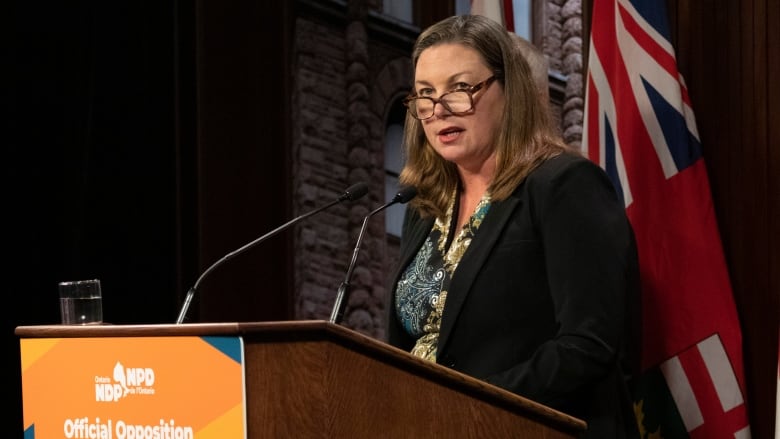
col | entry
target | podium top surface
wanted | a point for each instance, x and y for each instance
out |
(316, 330)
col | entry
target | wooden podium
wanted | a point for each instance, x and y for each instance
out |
(306, 379)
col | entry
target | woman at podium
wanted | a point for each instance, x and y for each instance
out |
(518, 264)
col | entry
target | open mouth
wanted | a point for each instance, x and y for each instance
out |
(449, 133)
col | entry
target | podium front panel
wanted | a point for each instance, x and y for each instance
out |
(133, 387)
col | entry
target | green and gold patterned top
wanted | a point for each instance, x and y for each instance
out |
(422, 289)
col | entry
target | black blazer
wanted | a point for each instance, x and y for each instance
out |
(544, 302)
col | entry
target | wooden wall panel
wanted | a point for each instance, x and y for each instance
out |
(243, 165)
(771, 298)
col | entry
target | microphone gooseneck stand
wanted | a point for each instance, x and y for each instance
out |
(352, 193)
(403, 196)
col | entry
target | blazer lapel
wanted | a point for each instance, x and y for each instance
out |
(470, 265)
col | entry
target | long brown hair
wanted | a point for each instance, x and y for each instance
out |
(525, 139)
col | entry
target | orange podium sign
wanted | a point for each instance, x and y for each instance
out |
(134, 387)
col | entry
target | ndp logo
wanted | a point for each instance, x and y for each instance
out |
(126, 381)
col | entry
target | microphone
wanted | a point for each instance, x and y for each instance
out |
(350, 194)
(403, 196)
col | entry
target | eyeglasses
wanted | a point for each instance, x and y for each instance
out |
(457, 102)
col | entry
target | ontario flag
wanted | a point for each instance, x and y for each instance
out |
(639, 126)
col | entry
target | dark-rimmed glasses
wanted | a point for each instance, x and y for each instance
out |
(457, 102)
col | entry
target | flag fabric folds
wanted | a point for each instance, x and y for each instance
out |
(500, 11)
(640, 127)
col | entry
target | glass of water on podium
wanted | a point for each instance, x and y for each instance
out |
(81, 302)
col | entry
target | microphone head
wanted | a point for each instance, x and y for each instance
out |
(405, 194)
(354, 192)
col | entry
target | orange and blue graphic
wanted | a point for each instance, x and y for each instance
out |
(133, 387)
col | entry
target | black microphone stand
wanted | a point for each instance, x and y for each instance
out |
(352, 193)
(403, 196)
(340, 304)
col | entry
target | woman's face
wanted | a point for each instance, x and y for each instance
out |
(467, 139)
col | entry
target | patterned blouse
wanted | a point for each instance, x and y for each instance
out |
(422, 289)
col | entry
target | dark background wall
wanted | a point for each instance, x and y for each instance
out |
(89, 170)
(143, 140)
(88, 159)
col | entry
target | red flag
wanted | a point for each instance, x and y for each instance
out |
(640, 127)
